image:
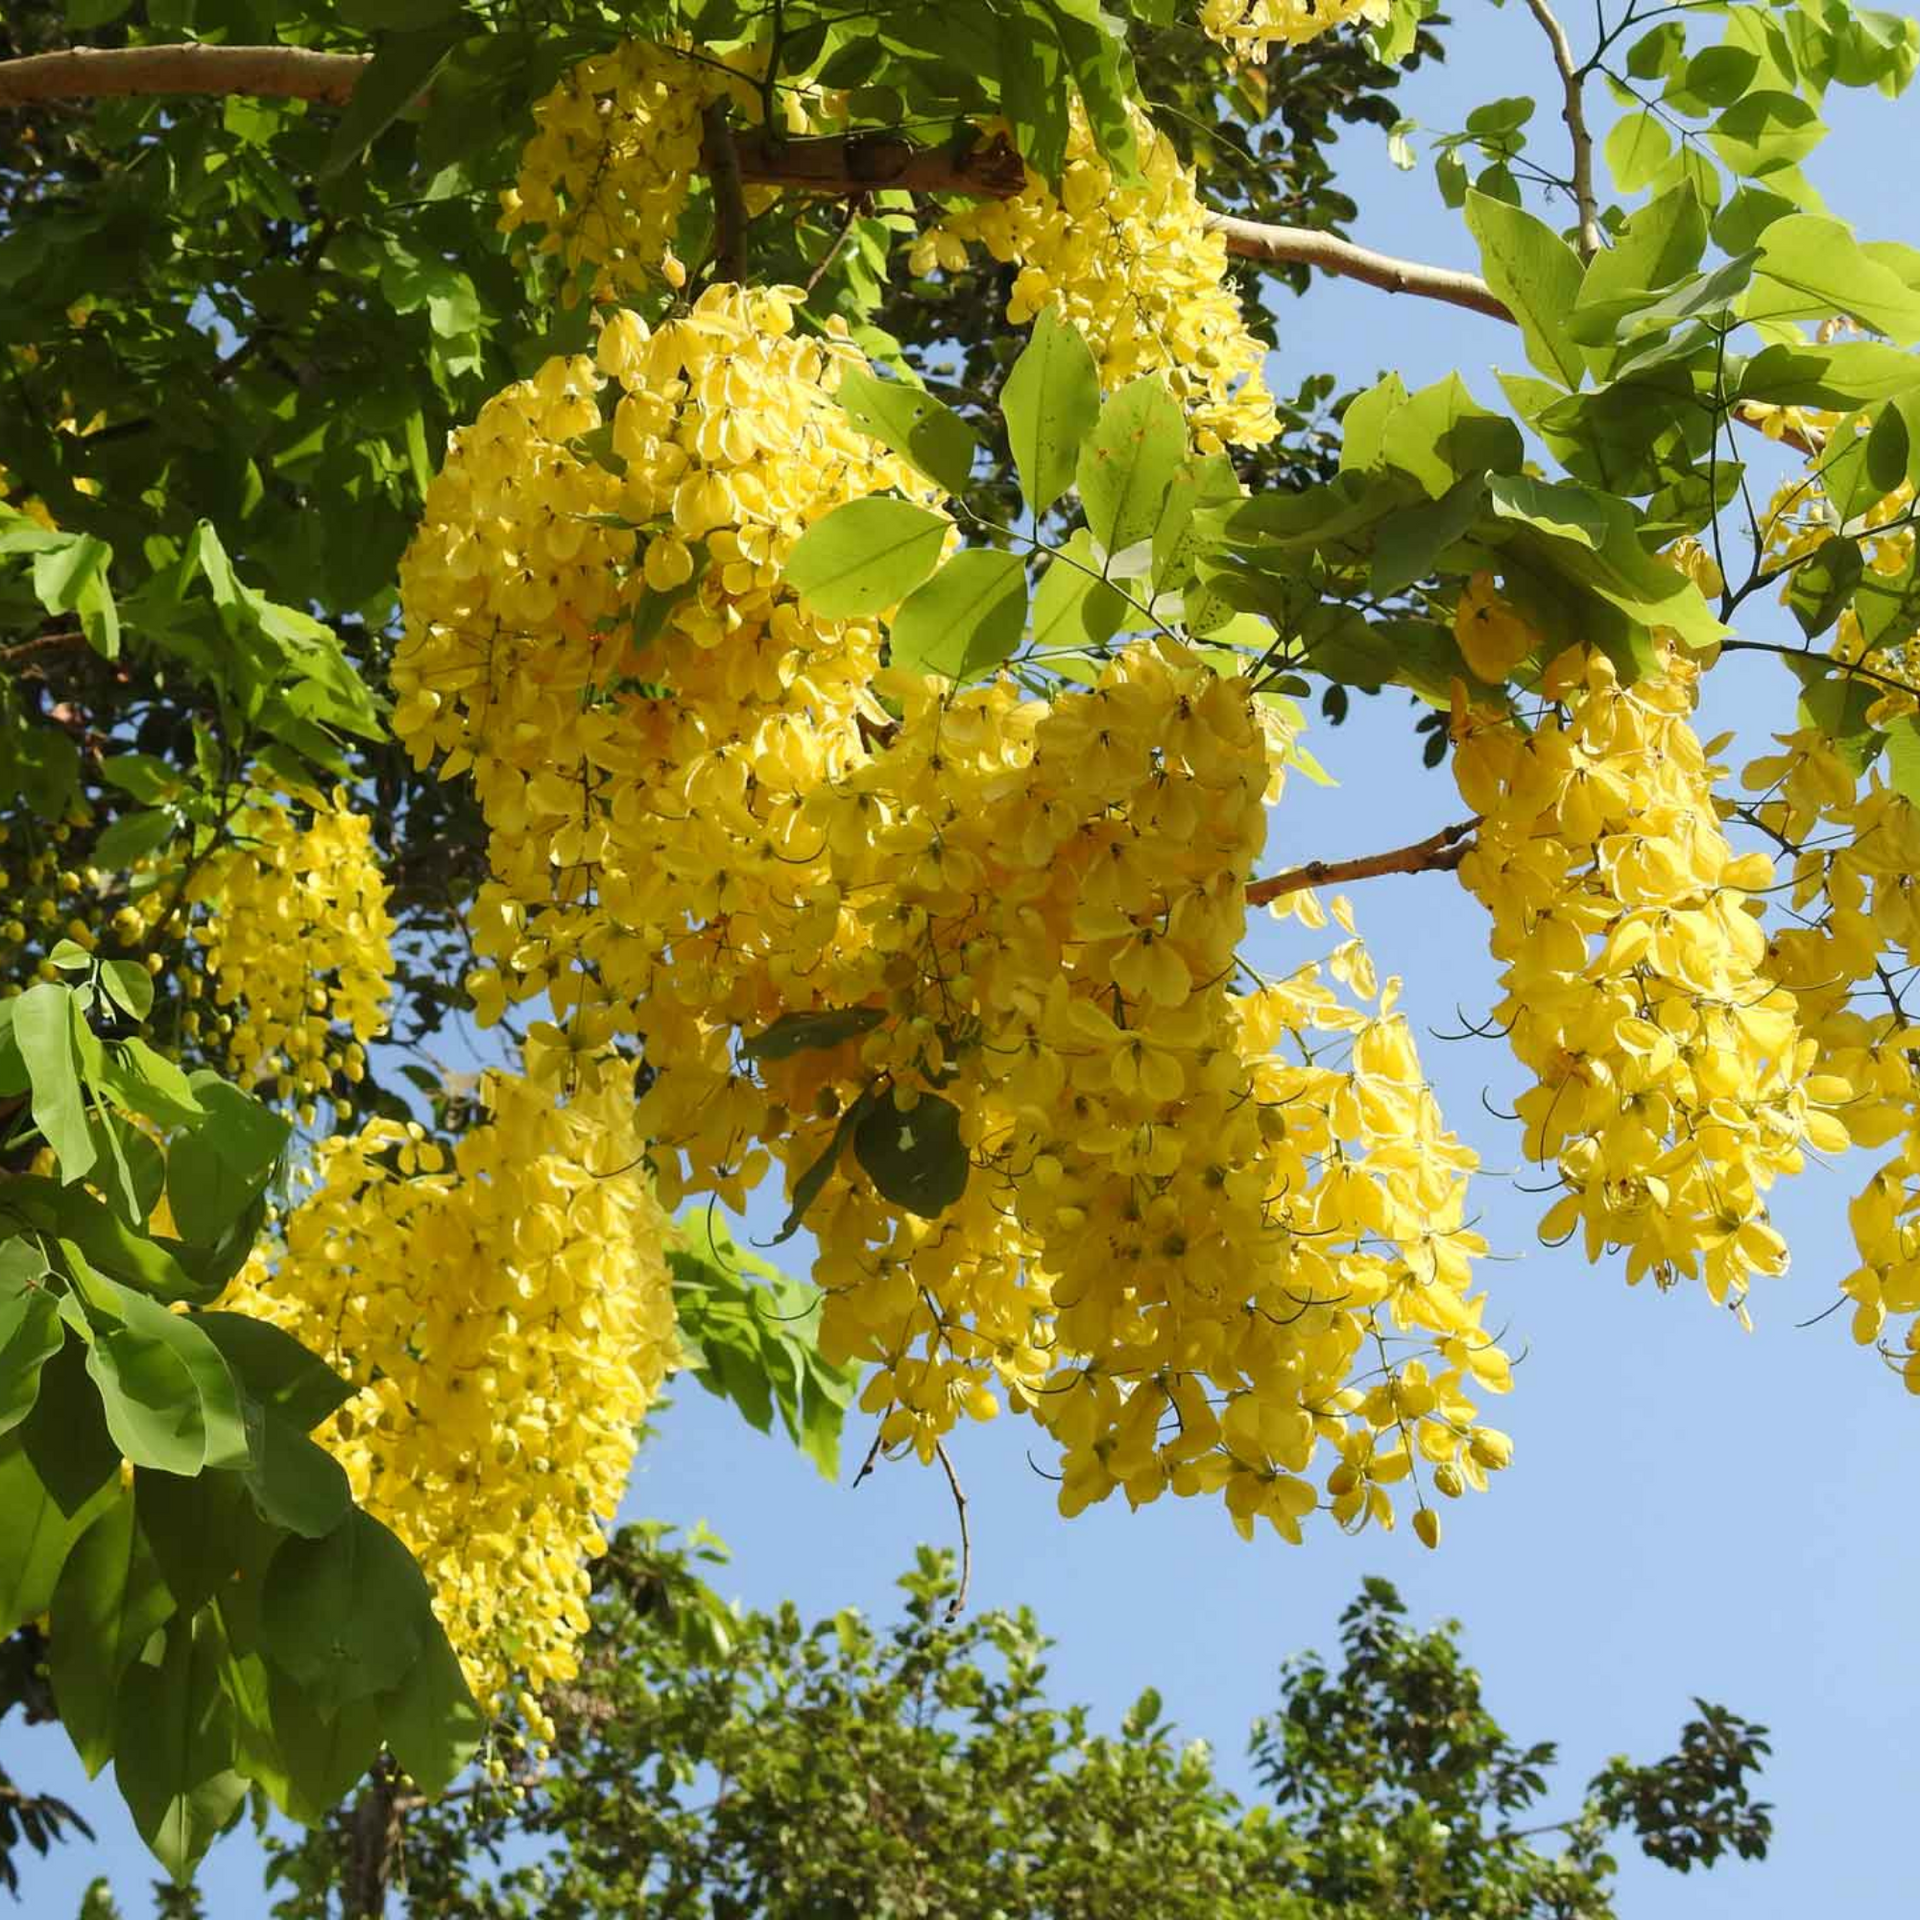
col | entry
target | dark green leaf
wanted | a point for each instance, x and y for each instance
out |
(345, 1616)
(805, 1032)
(401, 71)
(1823, 584)
(109, 1600)
(914, 1156)
(430, 1720)
(173, 1747)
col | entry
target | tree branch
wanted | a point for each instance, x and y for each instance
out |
(1309, 246)
(722, 155)
(1438, 852)
(1574, 111)
(80, 73)
(861, 163)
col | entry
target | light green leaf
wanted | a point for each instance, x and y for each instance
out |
(966, 620)
(1051, 400)
(865, 557)
(1764, 132)
(1538, 276)
(1810, 268)
(913, 423)
(1073, 606)
(1637, 148)
(72, 578)
(129, 986)
(1127, 465)
(44, 1021)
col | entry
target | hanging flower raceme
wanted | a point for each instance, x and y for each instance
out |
(1246, 28)
(298, 942)
(711, 812)
(507, 1320)
(1672, 1071)
(1136, 268)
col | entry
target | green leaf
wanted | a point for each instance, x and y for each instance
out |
(806, 1189)
(1537, 275)
(345, 1615)
(273, 1368)
(865, 556)
(1764, 132)
(1720, 75)
(173, 1747)
(1127, 465)
(58, 1469)
(45, 1019)
(966, 620)
(30, 1335)
(796, 1033)
(1822, 585)
(914, 1156)
(1410, 544)
(1209, 481)
(1051, 401)
(1073, 607)
(144, 1081)
(913, 423)
(400, 72)
(108, 1602)
(1811, 268)
(72, 577)
(1903, 757)
(317, 1757)
(1636, 149)
(431, 1720)
(129, 985)
(169, 1398)
(110, 1245)
(133, 836)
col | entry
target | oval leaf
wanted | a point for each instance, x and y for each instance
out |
(915, 1157)
(1051, 400)
(966, 620)
(865, 557)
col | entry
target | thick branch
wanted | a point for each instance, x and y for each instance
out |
(1574, 112)
(862, 163)
(82, 73)
(722, 155)
(1439, 852)
(1308, 246)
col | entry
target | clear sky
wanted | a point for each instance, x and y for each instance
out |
(1691, 1509)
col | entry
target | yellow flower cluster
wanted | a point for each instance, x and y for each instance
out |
(1672, 1070)
(618, 146)
(1246, 27)
(298, 941)
(1856, 901)
(608, 170)
(1179, 1248)
(1136, 269)
(1023, 917)
(507, 1321)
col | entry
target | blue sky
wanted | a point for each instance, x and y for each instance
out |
(1691, 1510)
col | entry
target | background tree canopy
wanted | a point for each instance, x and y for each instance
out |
(607, 609)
